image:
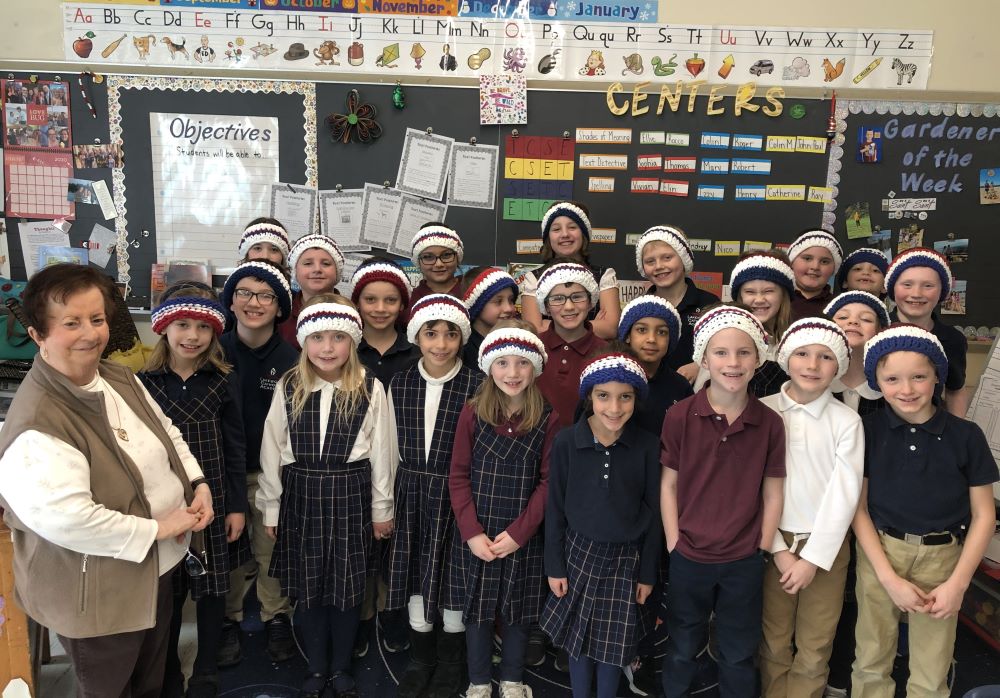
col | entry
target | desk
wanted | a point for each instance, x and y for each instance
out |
(15, 657)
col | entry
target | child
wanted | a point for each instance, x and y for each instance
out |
(318, 265)
(425, 401)
(190, 380)
(498, 485)
(804, 582)
(815, 256)
(925, 518)
(652, 328)
(265, 238)
(863, 270)
(663, 256)
(723, 454)
(917, 281)
(259, 298)
(326, 465)
(489, 295)
(566, 292)
(566, 232)
(603, 531)
(860, 315)
(437, 251)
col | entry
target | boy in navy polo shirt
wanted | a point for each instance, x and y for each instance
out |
(723, 454)
(928, 485)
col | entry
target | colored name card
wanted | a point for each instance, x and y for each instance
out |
(786, 192)
(680, 164)
(529, 246)
(756, 246)
(603, 236)
(751, 166)
(601, 184)
(645, 185)
(727, 248)
(745, 141)
(820, 195)
(592, 161)
(681, 139)
(649, 162)
(525, 209)
(525, 168)
(714, 140)
(673, 187)
(604, 135)
(711, 192)
(700, 244)
(750, 192)
(550, 148)
(810, 144)
(781, 144)
(652, 138)
(553, 189)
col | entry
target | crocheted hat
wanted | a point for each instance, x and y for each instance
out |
(919, 257)
(725, 316)
(674, 237)
(565, 208)
(328, 316)
(381, 271)
(264, 232)
(488, 284)
(565, 273)
(649, 305)
(904, 337)
(614, 368)
(194, 308)
(436, 236)
(817, 238)
(849, 297)
(512, 341)
(761, 267)
(269, 274)
(308, 242)
(861, 255)
(813, 330)
(438, 306)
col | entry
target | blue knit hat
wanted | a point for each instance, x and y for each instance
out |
(904, 337)
(269, 274)
(761, 267)
(861, 255)
(919, 257)
(614, 368)
(849, 297)
(488, 284)
(570, 210)
(649, 305)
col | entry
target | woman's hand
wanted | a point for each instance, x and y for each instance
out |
(642, 592)
(503, 545)
(201, 506)
(235, 523)
(382, 530)
(480, 546)
(272, 532)
(559, 586)
(175, 524)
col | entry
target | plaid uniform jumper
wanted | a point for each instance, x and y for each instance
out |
(768, 379)
(421, 549)
(324, 541)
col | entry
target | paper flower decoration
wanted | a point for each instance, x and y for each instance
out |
(358, 123)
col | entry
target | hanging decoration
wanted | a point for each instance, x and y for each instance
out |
(83, 90)
(398, 98)
(357, 124)
(831, 124)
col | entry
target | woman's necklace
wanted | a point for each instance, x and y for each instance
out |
(119, 431)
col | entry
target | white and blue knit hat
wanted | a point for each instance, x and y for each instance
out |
(817, 238)
(849, 297)
(904, 337)
(723, 317)
(919, 257)
(761, 267)
(267, 272)
(323, 242)
(862, 255)
(814, 330)
(614, 368)
(488, 284)
(436, 236)
(328, 316)
(256, 233)
(570, 210)
(565, 273)
(512, 341)
(188, 307)
(648, 305)
(671, 235)
(438, 306)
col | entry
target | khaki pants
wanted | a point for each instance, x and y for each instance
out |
(798, 630)
(932, 641)
(268, 588)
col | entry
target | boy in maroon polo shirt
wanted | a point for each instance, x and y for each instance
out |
(723, 454)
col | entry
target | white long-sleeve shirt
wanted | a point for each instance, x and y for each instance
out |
(46, 482)
(824, 461)
(375, 442)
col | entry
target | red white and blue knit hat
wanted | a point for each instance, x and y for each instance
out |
(269, 274)
(761, 267)
(436, 236)
(435, 307)
(328, 316)
(648, 305)
(572, 211)
(323, 242)
(729, 316)
(817, 238)
(381, 271)
(512, 341)
(672, 236)
(489, 283)
(919, 257)
(614, 368)
(256, 233)
(189, 307)
(814, 330)
(904, 337)
(849, 297)
(565, 273)
(862, 255)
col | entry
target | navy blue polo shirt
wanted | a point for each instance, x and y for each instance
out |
(956, 347)
(919, 475)
(399, 357)
(470, 352)
(666, 388)
(690, 308)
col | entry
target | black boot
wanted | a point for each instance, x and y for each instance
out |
(450, 677)
(423, 658)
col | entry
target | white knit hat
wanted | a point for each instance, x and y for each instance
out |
(264, 232)
(817, 238)
(565, 273)
(512, 341)
(436, 236)
(814, 330)
(438, 306)
(328, 316)
(674, 237)
(308, 242)
(729, 316)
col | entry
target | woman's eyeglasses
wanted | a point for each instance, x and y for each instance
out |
(429, 258)
(264, 298)
(194, 566)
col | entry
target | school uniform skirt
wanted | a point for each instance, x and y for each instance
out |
(598, 617)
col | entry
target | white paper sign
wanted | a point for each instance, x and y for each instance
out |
(473, 175)
(413, 213)
(35, 234)
(100, 245)
(295, 206)
(423, 167)
(340, 218)
(379, 213)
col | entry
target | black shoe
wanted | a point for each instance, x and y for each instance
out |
(280, 642)
(361, 639)
(561, 662)
(423, 659)
(450, 677)
(313, 687)
(535, 654)
(641, 676)
(343, 685)
(203, 686)
(230, 652)
(394, 631)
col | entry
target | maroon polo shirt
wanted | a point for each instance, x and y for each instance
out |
(423, 289)
(560, 380)
(720, 475)
(810, 307)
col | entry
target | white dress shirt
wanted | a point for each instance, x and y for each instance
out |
(852, 396)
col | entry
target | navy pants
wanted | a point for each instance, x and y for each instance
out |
(733, 590)
(479, 643)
